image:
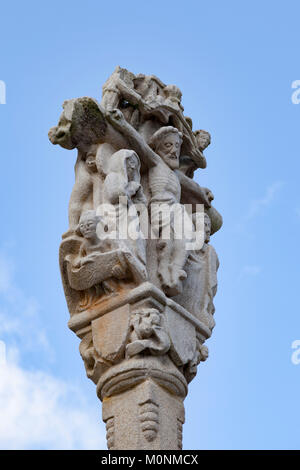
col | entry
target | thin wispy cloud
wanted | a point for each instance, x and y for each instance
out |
(249, 271)
(258, 204)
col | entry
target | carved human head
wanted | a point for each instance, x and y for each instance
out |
(198, 219)
(148, 318)
(61, 134)
(88, 224)
(154, 316)
(132, 167)
(126, 163)
(166, 142)
(81, 124)
(203, 139)
(173, 93)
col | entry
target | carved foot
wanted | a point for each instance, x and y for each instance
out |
(135, 348)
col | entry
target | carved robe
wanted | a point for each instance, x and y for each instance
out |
(200, 286)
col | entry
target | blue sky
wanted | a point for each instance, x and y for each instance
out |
(235, 63)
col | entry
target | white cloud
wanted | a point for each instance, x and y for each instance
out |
(39, 411)
(2, 353)
(258, 204)
(19, 314)
(249, 271)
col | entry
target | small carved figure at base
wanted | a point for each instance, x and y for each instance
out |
(147, 333)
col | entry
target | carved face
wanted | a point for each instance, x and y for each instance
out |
(148, 320)
(203, 140)
(131, 166)
(173, 93)
(198, 223)
(169, 150)
(61, 134)
(155, 318)
(87, 226)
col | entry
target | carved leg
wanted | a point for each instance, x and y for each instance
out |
(178, 259)
(164, 249)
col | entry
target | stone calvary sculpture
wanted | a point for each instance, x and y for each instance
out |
(137, 268)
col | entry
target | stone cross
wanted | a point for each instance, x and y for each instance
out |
(137, 268)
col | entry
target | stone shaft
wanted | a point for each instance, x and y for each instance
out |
(153, 415)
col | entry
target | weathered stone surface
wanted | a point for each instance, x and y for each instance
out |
(153, 416)
(111, 333)
(138, 271)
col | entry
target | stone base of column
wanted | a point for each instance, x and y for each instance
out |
(142, 404)
(141, 375)
(145, 417)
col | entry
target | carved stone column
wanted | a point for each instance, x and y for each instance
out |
(140, 301)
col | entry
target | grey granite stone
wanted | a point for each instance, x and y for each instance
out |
(137, 268)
